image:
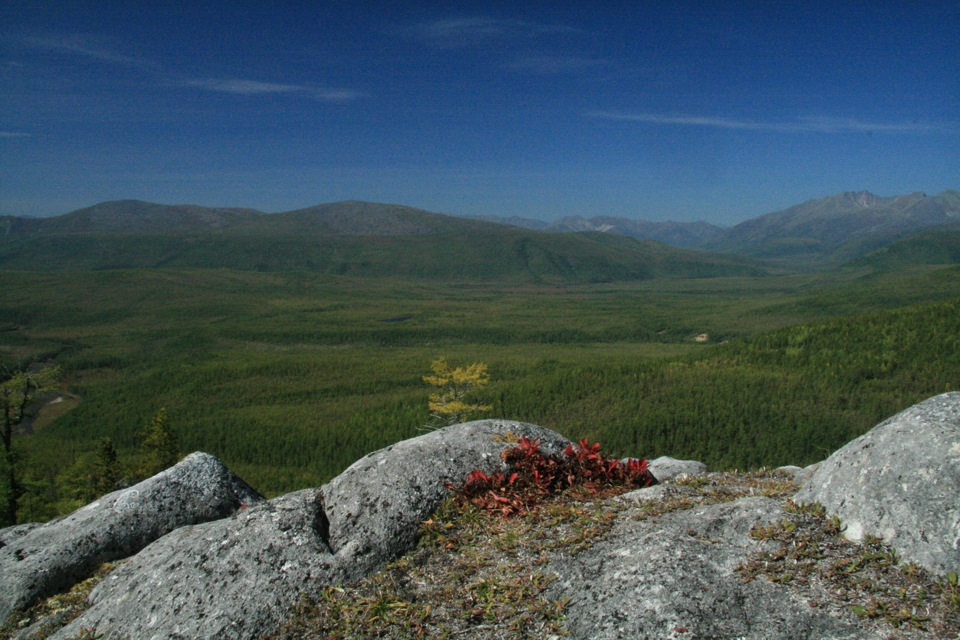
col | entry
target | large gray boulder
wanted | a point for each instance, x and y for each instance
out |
(9, 535)
(233, 578)
(674, 577)
(376, 505)
(900, 481)
(240, 576)
(40, 561)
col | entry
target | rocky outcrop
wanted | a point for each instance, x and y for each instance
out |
(674, 577)
(233, 578)
(40, 561)
(376, 506)
(9, 535)
(900, 481)
(240, 576)
(801, 474)
(667, 575)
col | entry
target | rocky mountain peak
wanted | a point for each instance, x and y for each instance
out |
(861, 198)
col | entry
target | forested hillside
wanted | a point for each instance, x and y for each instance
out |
(789, 396)
(349, 238)
(935, 247)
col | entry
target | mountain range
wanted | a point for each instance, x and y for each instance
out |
(833, 230)
(823, 232)
(345, 238)
(678, 234)
(363, 238)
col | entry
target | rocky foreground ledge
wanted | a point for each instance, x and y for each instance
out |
(207, 557)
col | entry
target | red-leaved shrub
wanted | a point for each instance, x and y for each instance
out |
(535, 475)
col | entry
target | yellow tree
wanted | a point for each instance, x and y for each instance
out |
(451, 404)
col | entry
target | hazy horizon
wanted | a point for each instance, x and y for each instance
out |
(475, 216)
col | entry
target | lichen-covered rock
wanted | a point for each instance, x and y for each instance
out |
(674, 577)
(656, 493)
(239, 577)
(8, 535)
(234, 578)
(666, 468)
(376, 505)
(666, 575)
(39, 561)
(900, 481)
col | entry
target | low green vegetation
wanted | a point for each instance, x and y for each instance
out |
(290, 377)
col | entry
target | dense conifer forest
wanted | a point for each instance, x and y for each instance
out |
(290, 377)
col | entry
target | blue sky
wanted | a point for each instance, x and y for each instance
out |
(651, 110)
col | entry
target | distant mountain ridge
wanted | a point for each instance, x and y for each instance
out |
(348, 238)
(838, 228)
(679, 234)
(126, 216)
(358, 218)
(820, 233)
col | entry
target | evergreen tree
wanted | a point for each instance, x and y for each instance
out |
(19, 387)
(158, 446)
(106, 468)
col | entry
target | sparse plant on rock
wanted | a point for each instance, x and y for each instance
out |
(807, 551)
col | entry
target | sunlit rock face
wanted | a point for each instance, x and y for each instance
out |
(900, 481)
(52, 557)
(239, 577)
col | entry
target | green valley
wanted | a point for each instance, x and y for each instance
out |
(290, 377)
(290, 345)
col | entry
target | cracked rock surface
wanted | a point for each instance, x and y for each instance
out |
(39, 561)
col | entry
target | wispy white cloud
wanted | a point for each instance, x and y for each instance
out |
(254, 87)
(237, 86)
(830, 125)
(80, 46)
(15, 134)
(473, 30)
(242, 87)
(800, 125)
(338, 95)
